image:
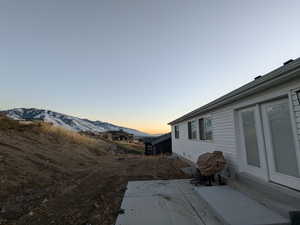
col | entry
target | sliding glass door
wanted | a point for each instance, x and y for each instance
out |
(281, 146)
(269, 143)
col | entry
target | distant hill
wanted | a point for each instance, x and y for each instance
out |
(68, 122)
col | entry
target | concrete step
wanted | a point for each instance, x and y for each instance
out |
(235, 208)
(278, 198)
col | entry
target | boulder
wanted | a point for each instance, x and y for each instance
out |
(211, 163)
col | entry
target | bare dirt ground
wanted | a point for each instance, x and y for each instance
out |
(47, 178)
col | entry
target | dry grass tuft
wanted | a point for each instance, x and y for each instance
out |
(68, 134)
(131, 147)
(61, 134)
(9, 124)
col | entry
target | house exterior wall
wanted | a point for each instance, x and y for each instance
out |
(225, 126)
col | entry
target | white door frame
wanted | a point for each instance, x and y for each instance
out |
(275, 176)
(261, 171)
(294, 127)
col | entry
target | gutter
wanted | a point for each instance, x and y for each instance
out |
(282, 74)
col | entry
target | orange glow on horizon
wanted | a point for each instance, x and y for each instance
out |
(149, 127)
(155, 131)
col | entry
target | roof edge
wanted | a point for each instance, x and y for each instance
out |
(276, 76)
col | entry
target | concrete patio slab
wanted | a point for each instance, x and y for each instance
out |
(172, 202)
(235, 208)
(149, 188)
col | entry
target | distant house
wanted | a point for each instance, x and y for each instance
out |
(158, 145)
(119, 135)
(256, 126)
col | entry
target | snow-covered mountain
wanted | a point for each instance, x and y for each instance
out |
(66, 121)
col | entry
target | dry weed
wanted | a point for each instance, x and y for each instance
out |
(67, 134)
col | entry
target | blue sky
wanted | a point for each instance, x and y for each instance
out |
(138, 63)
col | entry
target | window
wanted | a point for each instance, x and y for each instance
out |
(192, 130)
(205, 129)
(176, 132)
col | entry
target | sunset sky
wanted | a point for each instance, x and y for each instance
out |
(138, 63)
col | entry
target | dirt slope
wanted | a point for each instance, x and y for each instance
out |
(49, 178)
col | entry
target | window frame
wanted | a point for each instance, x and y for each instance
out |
(176, 132)
(191, 131)
(203, 129)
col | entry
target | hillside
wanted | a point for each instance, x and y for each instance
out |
(66, 121)
(49, 175)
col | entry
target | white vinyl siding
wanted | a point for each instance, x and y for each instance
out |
(224, 133)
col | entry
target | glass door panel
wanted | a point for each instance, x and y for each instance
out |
(280, 142)
(250, 137)
(252, 145)
(284, 149)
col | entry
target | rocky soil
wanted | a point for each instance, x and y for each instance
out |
(49, 179)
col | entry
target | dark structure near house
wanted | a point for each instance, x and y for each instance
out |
(158, 145)
(119, 135)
